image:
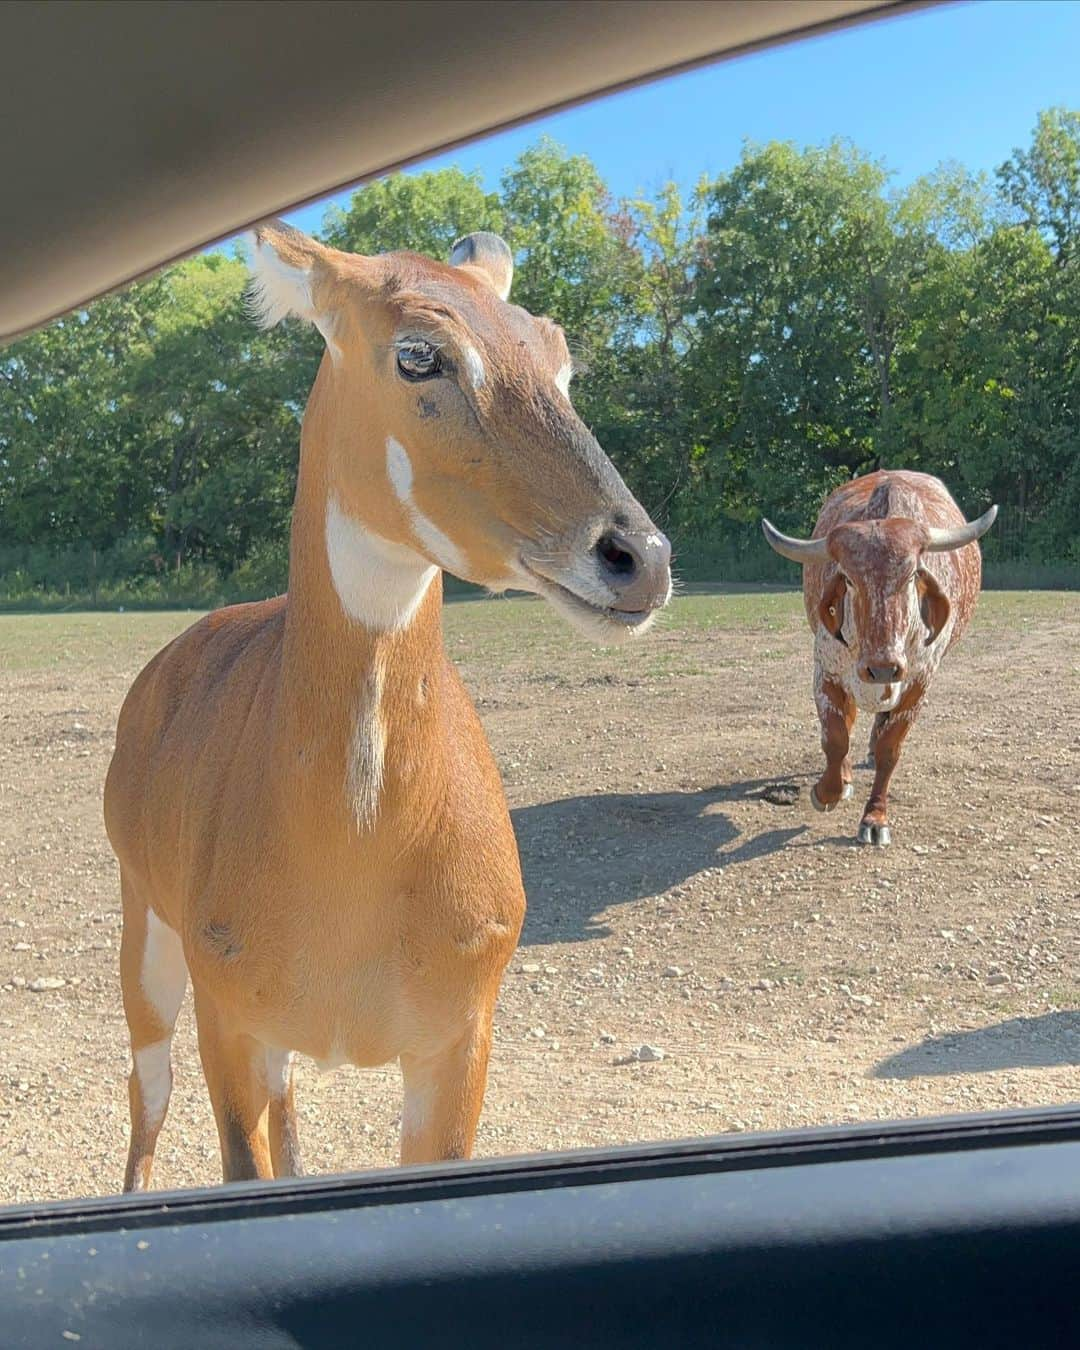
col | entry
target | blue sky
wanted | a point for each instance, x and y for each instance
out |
(961, 81)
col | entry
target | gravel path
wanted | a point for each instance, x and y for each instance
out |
(697, 958)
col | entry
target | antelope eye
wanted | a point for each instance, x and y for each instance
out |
(418, 360)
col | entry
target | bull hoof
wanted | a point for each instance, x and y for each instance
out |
(874, 834)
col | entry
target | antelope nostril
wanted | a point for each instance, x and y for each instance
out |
(634, 567)
(616, 559)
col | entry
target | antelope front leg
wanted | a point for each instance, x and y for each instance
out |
(874, 826)
(836, 709)
(235, 1068)
(443, 1096)
(281, 1117)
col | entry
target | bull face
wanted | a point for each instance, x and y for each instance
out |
(880, 601)
(876, 596)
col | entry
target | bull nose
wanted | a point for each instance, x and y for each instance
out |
(888, 673)
(637, 567)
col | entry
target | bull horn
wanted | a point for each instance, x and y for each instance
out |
(942, 541)
(798, 550)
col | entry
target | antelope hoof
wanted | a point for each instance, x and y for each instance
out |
(819, 805)
(878, 835)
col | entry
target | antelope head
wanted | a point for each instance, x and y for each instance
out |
(443, 415)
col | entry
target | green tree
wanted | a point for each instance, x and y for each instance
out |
(575, 262)
(219, 407)
(421, 212)
(1042, 183)
(642, 418)
(739, 353)
(68, 424)
(792, 370)
(570, 263)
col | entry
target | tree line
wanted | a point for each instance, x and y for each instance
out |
(741, 350)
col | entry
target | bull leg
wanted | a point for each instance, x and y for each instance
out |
(880, 719)
(874, 826)
(836, 709)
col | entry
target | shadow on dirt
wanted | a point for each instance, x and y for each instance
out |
(583, 854)
(1045, 1042)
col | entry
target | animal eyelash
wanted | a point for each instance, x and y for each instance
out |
(404, 343)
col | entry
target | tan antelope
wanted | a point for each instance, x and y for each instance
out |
(307, 816)
(890, 581)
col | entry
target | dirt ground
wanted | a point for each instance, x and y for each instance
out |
(787, 976)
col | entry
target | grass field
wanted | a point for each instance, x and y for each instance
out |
(788, 976)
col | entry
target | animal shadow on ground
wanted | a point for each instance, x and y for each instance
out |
(580, 855)
(1045, 1042)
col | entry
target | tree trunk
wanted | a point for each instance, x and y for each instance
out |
(172, 541)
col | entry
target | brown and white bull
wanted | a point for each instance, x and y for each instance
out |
(890, 580)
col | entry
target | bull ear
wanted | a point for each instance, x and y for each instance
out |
(933, 604)
(831, 608)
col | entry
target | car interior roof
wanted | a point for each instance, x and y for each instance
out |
(139, 133)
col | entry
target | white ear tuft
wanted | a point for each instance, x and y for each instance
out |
(276, 289)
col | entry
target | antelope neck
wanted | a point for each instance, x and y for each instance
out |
(363, 632)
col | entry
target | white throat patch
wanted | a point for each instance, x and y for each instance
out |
(380, 584)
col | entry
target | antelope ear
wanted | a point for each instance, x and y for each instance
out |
(489, 256)
(933, 604)
(831, 608)
(288, 272)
